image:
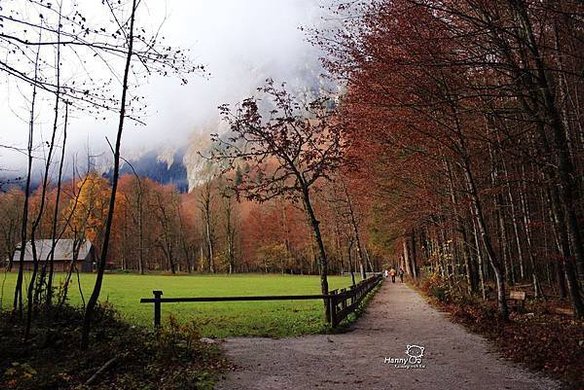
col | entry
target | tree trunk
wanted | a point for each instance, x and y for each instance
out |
(514, 222)
(413, 257)
(406, 256)
(140, 201)
(116, 172)
(355, 228)
(322, 258)
(350, 259)
(49, 264)
(569, 269)
(460, 226)
(17, 306)
(209, 243)
(209, 239)
(230, 234)
(486, 240)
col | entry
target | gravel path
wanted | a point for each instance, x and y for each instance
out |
(396, 317)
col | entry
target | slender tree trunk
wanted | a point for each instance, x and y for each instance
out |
(206, 208)
(413, 257)
(507, 258)
(140, 227)
(17, 306)
(469, 265)
(51, 257)
(569, 269)
(355, 229)
(56, 213)
(514, 222)
(77, 242)
(209, 243)
(526, 211)
(486, 241)
(37, 221)
(322, 258)
(480, 261)
(407, 261)
(350, 259)
(230, 233)
(460, 226)
(558, 264)
(116, 172)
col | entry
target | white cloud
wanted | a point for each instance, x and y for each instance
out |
(240, 42)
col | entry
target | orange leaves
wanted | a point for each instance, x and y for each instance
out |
(88, 208)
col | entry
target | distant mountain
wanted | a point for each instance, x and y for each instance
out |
(167, 170)
(183, 167)
(19, 181)
(8, 181)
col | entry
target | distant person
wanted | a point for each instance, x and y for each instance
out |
(401, 274)
(392, 274)
(385, 273)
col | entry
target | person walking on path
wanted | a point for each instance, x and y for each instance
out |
(401, 274)
(392, 274)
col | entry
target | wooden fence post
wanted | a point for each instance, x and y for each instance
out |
(333, 309)
(157, 304)
(344, 299)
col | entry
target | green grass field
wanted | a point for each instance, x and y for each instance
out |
(214, 319)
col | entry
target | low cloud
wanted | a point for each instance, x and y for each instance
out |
(240, 43)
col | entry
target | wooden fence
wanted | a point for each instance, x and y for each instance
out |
(345, 301)
(340, 302)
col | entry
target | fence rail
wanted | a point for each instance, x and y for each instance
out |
(345, 301)
(340, 303)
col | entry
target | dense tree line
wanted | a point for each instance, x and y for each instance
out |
(467, 121)
(157, 228)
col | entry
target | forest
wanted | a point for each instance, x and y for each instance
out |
(466, 117)
(455, 150)
(461, 144)
(159, 229)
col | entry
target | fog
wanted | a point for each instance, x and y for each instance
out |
(241, 43)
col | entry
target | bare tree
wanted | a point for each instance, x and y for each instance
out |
(283, 152)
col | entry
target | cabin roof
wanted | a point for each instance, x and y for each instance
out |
(63, 250)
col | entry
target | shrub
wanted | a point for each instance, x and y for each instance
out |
(175, 358)
(436, 286)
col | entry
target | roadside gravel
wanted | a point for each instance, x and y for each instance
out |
(396, 317)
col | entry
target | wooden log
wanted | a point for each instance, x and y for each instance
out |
(102, 369)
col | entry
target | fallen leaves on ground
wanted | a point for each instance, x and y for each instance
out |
(537, 336)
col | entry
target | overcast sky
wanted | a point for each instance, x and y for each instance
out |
(241, 42)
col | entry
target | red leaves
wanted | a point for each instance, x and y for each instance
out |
(280, 144)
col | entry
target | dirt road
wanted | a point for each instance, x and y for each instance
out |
(372, 354)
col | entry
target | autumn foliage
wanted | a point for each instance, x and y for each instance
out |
(465, 117)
